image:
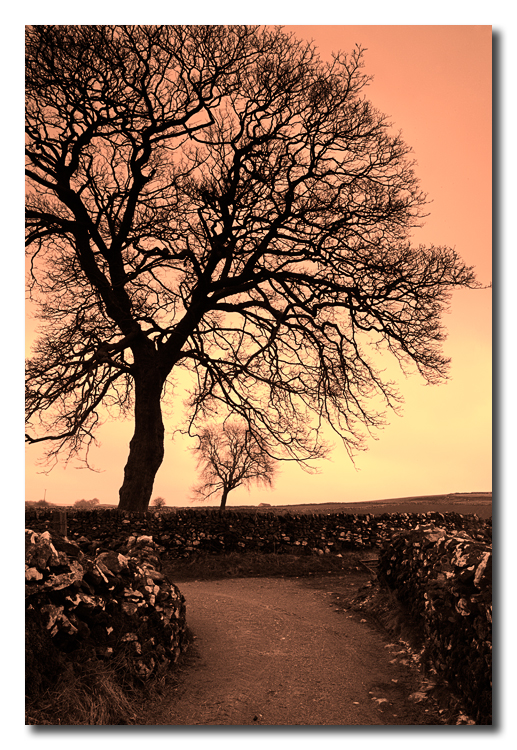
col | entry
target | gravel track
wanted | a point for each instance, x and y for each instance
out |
(283, 651)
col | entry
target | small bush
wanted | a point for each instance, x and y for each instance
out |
(86, 504)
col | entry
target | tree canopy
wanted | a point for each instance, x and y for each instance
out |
(218, 200)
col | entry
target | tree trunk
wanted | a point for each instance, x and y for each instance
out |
(223, 499)
(146, 448)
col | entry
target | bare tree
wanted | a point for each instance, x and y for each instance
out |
(218, 200)
(159, 502)
(229, 455)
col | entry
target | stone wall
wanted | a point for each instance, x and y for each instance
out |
(444, 580)
(102, 587)
(186, 532)
(107, 604)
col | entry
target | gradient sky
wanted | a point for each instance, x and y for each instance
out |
(435, 84)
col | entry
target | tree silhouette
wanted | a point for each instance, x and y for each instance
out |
(217, 200)
(87, 504)
(229, 455)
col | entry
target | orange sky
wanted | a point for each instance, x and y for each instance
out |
(435, 83)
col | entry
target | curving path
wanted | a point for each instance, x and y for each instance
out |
(277, 651)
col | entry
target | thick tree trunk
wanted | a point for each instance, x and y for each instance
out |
(146, 448)
(223, 500)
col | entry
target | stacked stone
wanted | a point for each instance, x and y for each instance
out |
(445, 582)
(186, 532)
(109, 603)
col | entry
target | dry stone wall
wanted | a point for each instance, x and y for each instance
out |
(444, 580)
(187, 532)
(107, 604)
(101, 586)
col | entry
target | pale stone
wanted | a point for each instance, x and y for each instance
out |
(53, 614)
(127, 637)
(462, 607)
(32, 574)
(435, 535)
(129, 608)
(481, 568)
(64, 580)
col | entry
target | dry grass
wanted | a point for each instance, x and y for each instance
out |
(86, 694)
(94, 692)
(256, 564)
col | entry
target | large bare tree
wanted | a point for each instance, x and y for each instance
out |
(230, 456)
(217, 199)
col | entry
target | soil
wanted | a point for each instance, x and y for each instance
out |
(291, 651)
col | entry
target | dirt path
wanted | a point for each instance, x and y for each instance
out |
(278, 651)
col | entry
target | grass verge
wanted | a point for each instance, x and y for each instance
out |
(90, 691)
(251, 564)
(91, 695)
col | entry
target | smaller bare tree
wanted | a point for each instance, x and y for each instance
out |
(159, 502)
(230, 455)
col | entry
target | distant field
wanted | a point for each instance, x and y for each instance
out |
(479, 503)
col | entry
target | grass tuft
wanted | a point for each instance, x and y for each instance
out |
(90, 691)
